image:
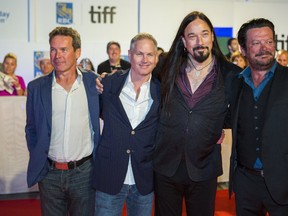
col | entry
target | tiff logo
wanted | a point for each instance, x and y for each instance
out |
(101, 15)
(283, 41)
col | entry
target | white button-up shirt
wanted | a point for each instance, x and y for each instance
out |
(136, 110)
(72, 133)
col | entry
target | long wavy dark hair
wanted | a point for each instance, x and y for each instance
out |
(177, 56)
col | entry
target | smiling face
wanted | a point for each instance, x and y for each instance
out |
(9, 66)
(260, 48)
(283, 59)
(143, 58)
(114, 53)
(198, 40)
(46, 66)
(62, 54)
(240, 61)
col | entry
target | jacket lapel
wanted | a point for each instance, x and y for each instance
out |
(46, 96)
(117, 84)
(155, 94)
(277, 85)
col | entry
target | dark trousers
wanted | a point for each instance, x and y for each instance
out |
(252, 196)
(170, 192)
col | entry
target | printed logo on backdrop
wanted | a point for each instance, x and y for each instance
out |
(37, 55)
(64, 13)
(102, 14)
(4, 16)
(281, 41)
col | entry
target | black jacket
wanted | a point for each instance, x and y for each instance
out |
(195, 131)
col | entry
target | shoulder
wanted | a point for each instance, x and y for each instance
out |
(281, 73)
(116, 77)
(104, 63)
(20, 78)
(89, 74)
(229, 66)
(229, 70)
(124, 63)
(41, 79)
(117, 74)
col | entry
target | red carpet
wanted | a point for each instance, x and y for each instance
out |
(31, 207)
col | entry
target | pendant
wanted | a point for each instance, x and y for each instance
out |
(197, 73)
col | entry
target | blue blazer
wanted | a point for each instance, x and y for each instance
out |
(119, 140)
(39, 119)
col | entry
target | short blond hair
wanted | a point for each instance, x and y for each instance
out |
(10, 55)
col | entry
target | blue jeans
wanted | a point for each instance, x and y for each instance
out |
(63, 191)
(112, 205)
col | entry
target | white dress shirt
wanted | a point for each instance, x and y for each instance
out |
(136, 110)
(71, 133)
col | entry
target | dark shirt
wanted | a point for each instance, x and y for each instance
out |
(205, 87)
(106, 67)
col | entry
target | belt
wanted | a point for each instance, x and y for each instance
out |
(68, 165)
(252, 171)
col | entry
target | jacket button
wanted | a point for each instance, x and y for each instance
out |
(133, 132)
(128, 151)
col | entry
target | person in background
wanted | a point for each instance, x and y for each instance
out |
(114, 61)
(282, 57)
(44, 64)
(15, 85)
(161, 57)
(129, 108)
(62, 130)
(160, 51)
(238, 59)
(195, 79)
(86, 64)
(233, 46)
(259, 168)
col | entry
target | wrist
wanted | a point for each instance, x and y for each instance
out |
(18, 87)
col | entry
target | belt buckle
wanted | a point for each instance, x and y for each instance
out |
(72, 164)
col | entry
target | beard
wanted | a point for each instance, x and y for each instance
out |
(200, 56)
(263, 64)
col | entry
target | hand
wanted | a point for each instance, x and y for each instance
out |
(15, 82)
(221, 138)
(99, 85)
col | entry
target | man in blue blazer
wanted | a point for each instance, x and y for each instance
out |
(129, 108)
(259, 160)
(62, 130)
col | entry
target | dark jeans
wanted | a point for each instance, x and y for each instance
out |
(252, 196)
(170, 192)
(63, 191)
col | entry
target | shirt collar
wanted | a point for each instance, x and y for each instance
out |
(246, 73)
(79, 77)
(129, 81)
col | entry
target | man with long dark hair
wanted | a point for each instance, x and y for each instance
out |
(194, 101)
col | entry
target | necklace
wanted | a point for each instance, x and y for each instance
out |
(197, 71)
